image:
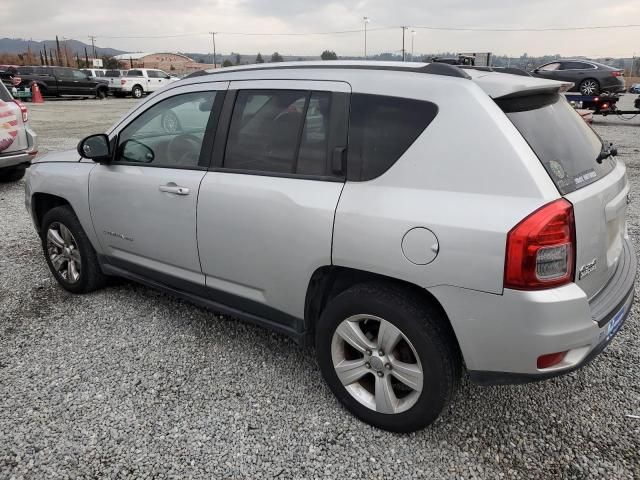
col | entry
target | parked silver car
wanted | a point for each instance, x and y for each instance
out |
(17, 140)
(407, 219)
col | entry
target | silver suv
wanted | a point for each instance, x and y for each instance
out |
(407, 219)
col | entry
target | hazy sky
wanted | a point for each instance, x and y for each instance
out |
(42, 19)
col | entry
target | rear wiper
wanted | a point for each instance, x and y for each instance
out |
(606, 152)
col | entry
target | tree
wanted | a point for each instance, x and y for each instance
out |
(227, 63)
(259, 59)
(276, 57)
(329, 55)
(110, 63)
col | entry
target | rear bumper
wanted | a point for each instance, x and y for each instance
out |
(502, 336)
(11, 159)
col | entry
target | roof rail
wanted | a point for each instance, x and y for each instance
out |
(511, 70)
(430, 68)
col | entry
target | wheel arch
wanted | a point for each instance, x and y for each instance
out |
(329, 281)
(41, 203)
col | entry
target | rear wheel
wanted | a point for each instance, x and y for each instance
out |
(387, 356)
(590, 87)
(12, 174)
(69, 253)
(137, 92)
(101, 94)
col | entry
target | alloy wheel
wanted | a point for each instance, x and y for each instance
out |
(589, 87)
(377, 364)
(63, 252)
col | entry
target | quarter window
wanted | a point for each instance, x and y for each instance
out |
(170, 134)
(282, 131)
(381, 129)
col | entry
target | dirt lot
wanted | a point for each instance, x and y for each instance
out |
(130, 383)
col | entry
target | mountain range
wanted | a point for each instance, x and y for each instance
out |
(20, 45)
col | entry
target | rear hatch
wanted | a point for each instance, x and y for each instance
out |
(13, 137)
(569, 149)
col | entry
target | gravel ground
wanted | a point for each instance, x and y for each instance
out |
(131, 383)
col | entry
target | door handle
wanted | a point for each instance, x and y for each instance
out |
(173, 188)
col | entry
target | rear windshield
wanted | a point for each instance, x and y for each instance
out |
(5, 96)
(562, 140)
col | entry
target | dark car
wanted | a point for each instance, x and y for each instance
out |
(589, 78)
(60, 81)
(635, 88)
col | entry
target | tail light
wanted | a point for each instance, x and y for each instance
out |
(23, 109)
(616, 73)
(122, 82)
(541, 249)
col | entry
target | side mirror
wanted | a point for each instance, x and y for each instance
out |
(536, 70)
(95, 147)
(168, 77)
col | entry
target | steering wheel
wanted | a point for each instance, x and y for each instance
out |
(184, 150)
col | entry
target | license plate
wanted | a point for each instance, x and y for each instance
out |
(614, 324)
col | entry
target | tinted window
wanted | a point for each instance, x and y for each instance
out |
(113, 73)
(381, 129)
(99, 73)
(279, 131)
(25, 70)
(78, 75)
(63, 73)
(564, 143)
(153, 74)
(575, 66)
(169, 134)
(134, 73)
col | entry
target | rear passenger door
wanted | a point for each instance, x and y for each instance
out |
(265, 212)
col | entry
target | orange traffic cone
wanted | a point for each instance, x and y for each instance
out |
(36, 96)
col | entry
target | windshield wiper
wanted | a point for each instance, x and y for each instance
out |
(606, 152)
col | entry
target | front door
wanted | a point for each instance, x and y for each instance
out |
(143, 204)
(265, 214)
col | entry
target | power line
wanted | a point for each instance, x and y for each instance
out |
(541, 29)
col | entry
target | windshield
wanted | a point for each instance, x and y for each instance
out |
(567, 147)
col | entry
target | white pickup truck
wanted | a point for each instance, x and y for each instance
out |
(137, 82)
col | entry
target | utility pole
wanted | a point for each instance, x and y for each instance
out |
(213, 37)
(366, 21)
(413, 36)
(93, 45)
(403, 49)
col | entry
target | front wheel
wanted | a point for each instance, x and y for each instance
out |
(101, 94)
(589, 87)
(69, 253)
(137, 92)
(387, 356)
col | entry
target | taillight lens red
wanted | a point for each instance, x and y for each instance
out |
(616, 73)
(541, 249)
(550, 359)
(23, 109)
(122, 82)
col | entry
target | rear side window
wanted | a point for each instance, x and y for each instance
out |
(279, 131)
(381, 129)
(112, 73)
(134, 73)
(564, 143)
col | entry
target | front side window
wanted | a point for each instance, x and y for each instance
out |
(169, 134)
(550, 67)
(78, 75)
(153, 74)
(279, 131)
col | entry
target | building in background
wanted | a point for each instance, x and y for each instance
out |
(174, 63)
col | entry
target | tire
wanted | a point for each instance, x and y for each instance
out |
(89, 275)
(136, 91)
(424, 341)
(590, 87)
(101, 94)
(12, 174)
